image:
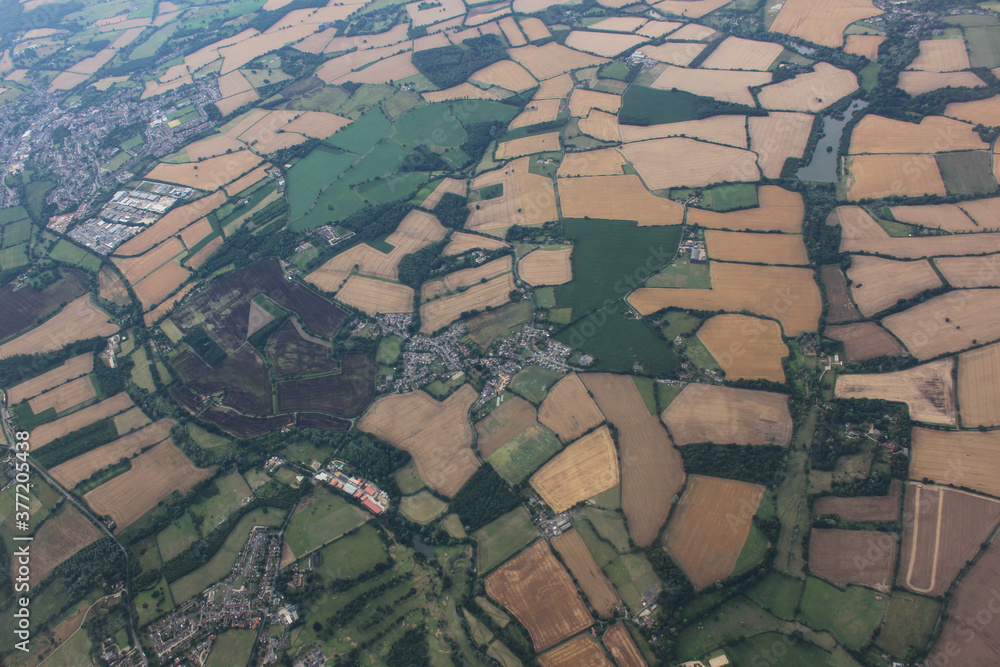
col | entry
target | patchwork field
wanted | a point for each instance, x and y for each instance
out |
(174, 221)
(581, 650)
(528, 199)
(78, 320)
(736, 53)
(948, 323)
(707, 531)
(77, 469)
(595, 585)
(604, 44)
(436, 434)
(546, 266)
(374, 296)
(464, 278)
(928, 390)
(730, 130)
(786, 249)
(723, 85)
(505, 74)
(777, 137)
(979, 112)
(46, 433)
(979, 387)
(724, 415)
(841, 308)
(70, 369)
(568, 409)
(651, 467)
(864, 45)
(536, 143)
(600, 125)
(745, 347)
(879, 283)
(948, 217)
(864, 340)
(779, 210)
(582, 101)
(58, 539)
(679, 162)
(922, 246)
(933, 134)
(821, 23)
(500, 426)
(463, 242)
(622, 197)
(581, 471)
(552, 59)
(620, 644)
(811, 92)
(861, 557)
(941, 55)
(862, 508)
(918, 83)
(878, 176)
(599, 162)
(968, 459)
(537, 590)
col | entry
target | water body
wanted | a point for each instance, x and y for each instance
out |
(823, 166)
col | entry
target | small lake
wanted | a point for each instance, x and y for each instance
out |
(823, 166)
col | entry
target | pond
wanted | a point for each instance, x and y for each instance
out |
(823, 166)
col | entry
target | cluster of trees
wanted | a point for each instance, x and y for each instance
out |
(243, 247)
(759, 464)
(203, 345)
(78, 442)
(378, 459)
(415, 267)
(830, 441)
(449, 66)
(452, 210)
(423, 158)
(479, 136)
(484, 497)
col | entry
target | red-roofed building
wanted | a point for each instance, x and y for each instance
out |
(372, 507)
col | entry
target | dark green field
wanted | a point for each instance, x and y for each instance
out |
(984, 45)
(966, 173)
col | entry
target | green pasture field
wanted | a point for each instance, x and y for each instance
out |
(422, 507)
(408, 478)
(64, 251)
(361, 136)
(431, 125)
(778, 594)
(329, 517)
(352, 555)
(968, 172)
(206, 439)
(176, 537)
(632, 575)
(388, 188)
(486, 328)
(16, 233)
(12, 214)
(620, 343)
(232, 647)
(503, 538)
(752, 552)
(984, 45)
(453, 526)
(665, 394)
(851, 615)
(14, 256)
(679, 323)
(525, 453)
(311, 175)
(305, 452)
(389, 349)
(908, 623)
(778, 649)
(400, 103)
(533, 382)
(68, 655)
(729, 197)
(233, 491)
(610, 499)
(610, 527)
(655, 106)
(683, 273)
(155, 41)
(648, 393)
(441, 389)
(151, 604)
(727, 624)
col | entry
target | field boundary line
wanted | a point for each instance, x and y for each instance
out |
(913, 542)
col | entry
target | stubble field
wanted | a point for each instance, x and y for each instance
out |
(568, 409)
(928, 390)
(979, 387)
(724, 415)
(582, 470)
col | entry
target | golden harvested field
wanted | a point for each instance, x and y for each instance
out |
(374, 296)
(679, 161)
(436, 434)
(537, 590)
(496, 429)
(555, 88)
(512, 32)
(877, 176)
(928, 390)
(581, 651)
(155, 474)
(729, 130)
(76, 470)
(864, 340)
(918, 83)
(710, 525)
(924, 246)
(344, 65)
(210, 174)
(528, 199)
(986, 212)
(948, 217)
(656, 28)
(505, 74)
(786, 249)
(443, 311)
(196, 260)
(463, 242)
(537, 111)
(674, 53)
(46, 433)
(158, 285)
(600, 162)
(747, 348)
(552, 59)
(111, 288)
(933, 134)
(546, 267)
(821, 23)
(130, 420)
(620, 24)
(689, 9)
(580, 471)
(233, 83)
(812, 92)
(941, 55)
(135, 269)
(652, 469)
(537, 143)
(864, 45)
(779, 210)
(534, 29)
(58, 539)
(979, 387)
(453, 185)
(983, 271)
(241, 184)
(165, 307)
(466, 278)
(568, 409)
(616, 198)
(879, 283)
(446, 10)
(600, 125)
(574, 553)
(607, 44)
(70, 369)
(723, 85)
(194, 233)
(736, 53)
(948, 323)
(417, 230)
(728, 416)
(787, 294)
(969, 459)
(777, 137)
(65, 396)
(317, 124)
(856, 223)
(171, 223)
(622, 647)
(979, 112)
(861, 557)
(78, 320)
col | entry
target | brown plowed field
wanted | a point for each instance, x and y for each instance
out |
(746, 348)
(463, 242)
(78, 320)
(652, 468)
(569, 410)
(171, 223)
(211, 174)
(76, 470)
(878, 176)
(736, 53)
(970, 459)
(865, 340)
(600, 125)
(58, 539)
(505, 74)
(64, 397)
(811, 92)
(600, 162)
(466, 278)
(580, 471)
(821, 23)
(453, 185)
(552, 59)
(777, 137)
(581, 651)
(600, 593)
(786, 249)
(536, 143)
(925, 246)
(928, 389)
(786, 293)
(70, 369)
(616, 198)
(879, 283)
(948, 323)
(679, 161)
(979, 112)
(607, 44)
(582, 101)
(619, 643)
(942, 529)
(779, 210)
(46, 433)
(941, 55)
(437, 435)
(918, 83)
(841, 308)
(979, 387)
(710, 525)
(864, 45)
(723, 415)
(729, 130)
(445, 310)
(555, 88)
(537, 111)
(862, 508)
(948, 217)
(155, 474)
(861, 557)
(501, 426)
(723, 85)
(933, 134)
(537, 590)
(527, 199)
(546, 267)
